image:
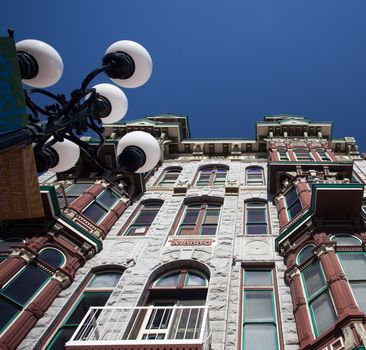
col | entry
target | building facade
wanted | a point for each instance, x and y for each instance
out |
(228, 244)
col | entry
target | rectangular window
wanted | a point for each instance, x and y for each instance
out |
(143, 219)
(72, 192)
(254, 176)
(282, 154)
(293, 203)
(354, 266)
(302, 154)
(259, 314)
(98, 209)
(199, 219)
(323, 154)
(320, 304)
(256, 218)
(212, 177)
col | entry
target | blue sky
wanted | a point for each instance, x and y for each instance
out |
(225, 64)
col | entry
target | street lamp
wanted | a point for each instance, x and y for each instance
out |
(56, 135)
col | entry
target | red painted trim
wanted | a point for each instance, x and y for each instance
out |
(315, 155)
(331, 155)
(291, 155)
(87, 197)
(274, 155)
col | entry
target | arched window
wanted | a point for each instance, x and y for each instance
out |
(200, 218)
(256, 220)
(254, 176)
(169, 177)
(142, 218)
(320, 306)
(96, 293)
(52, 257)
(99, 208)
(302, 154)
(305, 254)
(353, 263)
(176, 299)
(346, 240)
(212, 176)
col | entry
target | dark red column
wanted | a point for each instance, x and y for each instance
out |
(282, 212)
(300, 307)
(112, 217)
(304, 193)
(87, 197)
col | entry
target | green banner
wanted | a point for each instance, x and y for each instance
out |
(13, 114)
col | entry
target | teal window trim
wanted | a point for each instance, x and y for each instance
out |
(323, 154)
(87, 290)
(209, 177)
(298, 258)
(357, 241)
(292, 204)
(282, 156)
(265, 222)
(58, 251)
(16, 304)
(253, 289)
(303, 156)
(311, 299)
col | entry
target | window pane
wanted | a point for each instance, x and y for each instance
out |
(305, 254)
(169, 280)
(295, 209)
(52, 257)
(260, 337)
(208, 230)
(258, 306)
(77, 189)
(8, 311)
(195, 280)
(256, 215)
(88, 299)
(212, 216)
(105, 279)
(137, 230)
(190, 217)
(94, 212)
(313, 279)
(354, 265)
(291, 197)
(258, 278)
(31, 277)
(145, 217)
(186, 230)
(61, 337)
(346, 240)
(254, 171)
(108, 198)
(359, 291)
(323, 312)
(258, 229)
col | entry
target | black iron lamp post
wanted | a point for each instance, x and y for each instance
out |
(54, 130)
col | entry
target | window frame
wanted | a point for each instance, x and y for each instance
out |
(255, 183)
(135, 215)
(162, 181)
(63, 195)
(212, 180)
(288, 207)
(199, 223)
(266, 215)
(101, 205)
(76, 300)
(302, 159)
(310, 300)
(272, 288)
(323, 154)
(285, 153)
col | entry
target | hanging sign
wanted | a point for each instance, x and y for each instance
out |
(20, 197)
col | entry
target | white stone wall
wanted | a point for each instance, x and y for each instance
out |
(223, 259)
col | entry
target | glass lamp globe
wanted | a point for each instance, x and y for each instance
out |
(144, 141)
(68, 153)
(142, 61)
(50, 64)
(116, 98)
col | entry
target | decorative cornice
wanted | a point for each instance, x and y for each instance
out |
(23, 253)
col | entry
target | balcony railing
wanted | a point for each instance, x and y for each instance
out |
(150, 327)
